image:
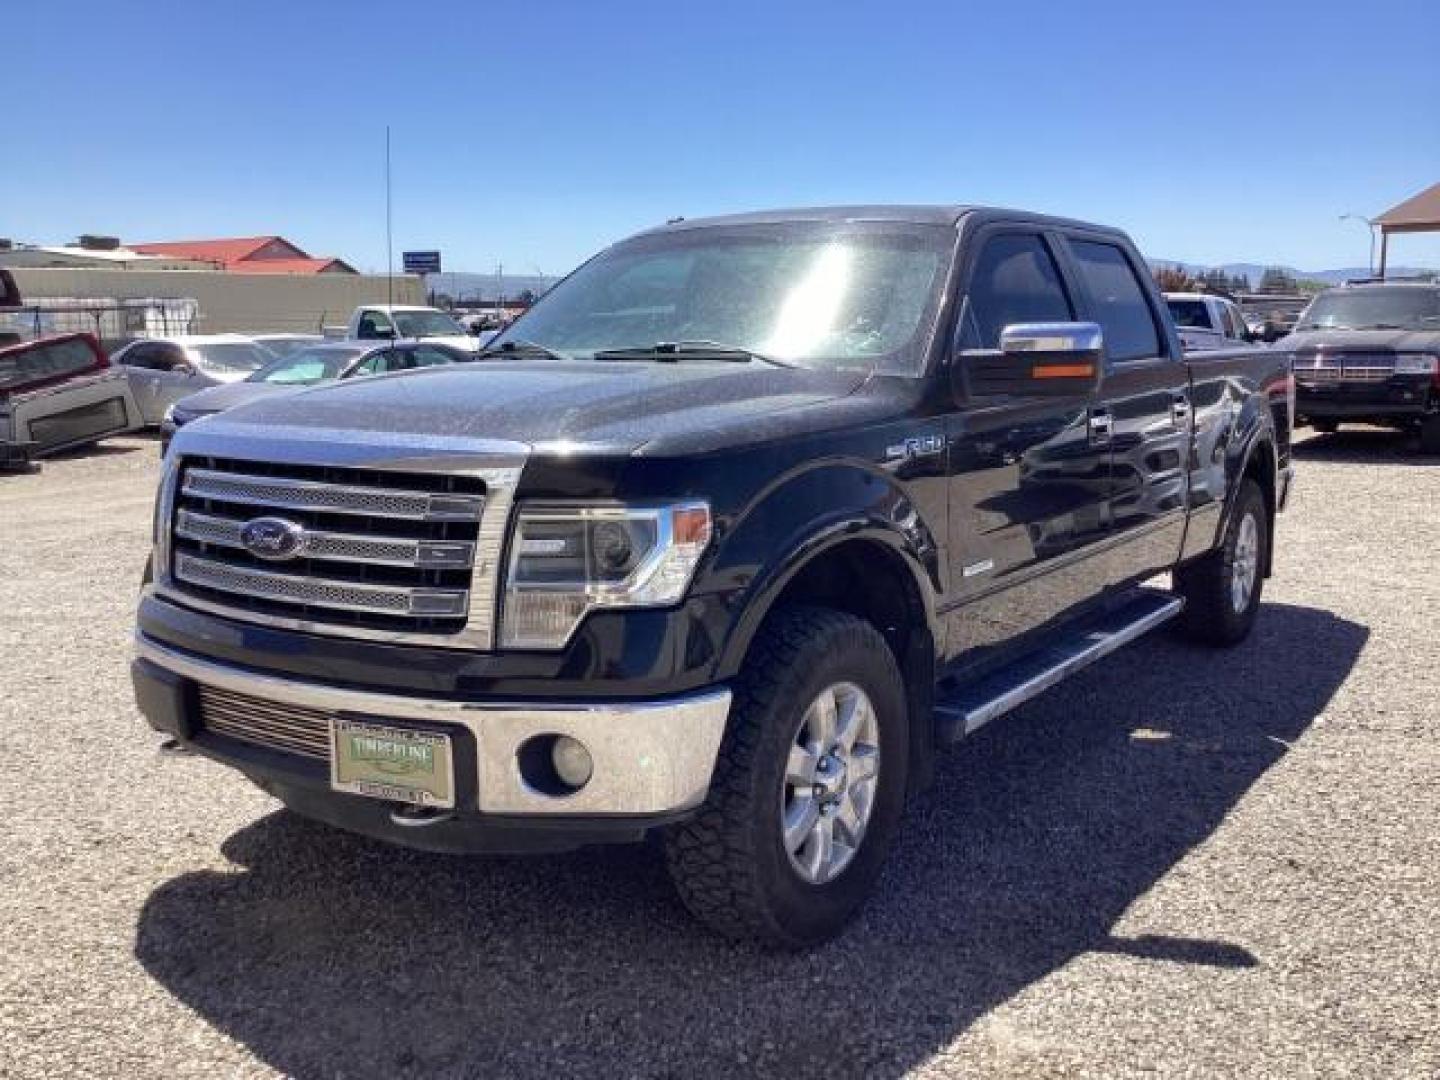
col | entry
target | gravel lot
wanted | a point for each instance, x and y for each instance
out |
(1184, 862)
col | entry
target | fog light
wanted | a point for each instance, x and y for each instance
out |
(572, 761)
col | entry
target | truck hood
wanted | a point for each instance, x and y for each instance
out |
(1362, 341)
(603, 407)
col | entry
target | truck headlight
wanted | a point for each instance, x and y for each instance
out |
(566, 561)
(1415, 364)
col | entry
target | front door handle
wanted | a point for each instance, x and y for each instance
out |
(1180, 412)
(1102, 427)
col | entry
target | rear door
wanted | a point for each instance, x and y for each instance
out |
(1028, 488)
(1146, 401)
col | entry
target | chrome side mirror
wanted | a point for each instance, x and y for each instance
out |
(1052, 339)
(1059, 359)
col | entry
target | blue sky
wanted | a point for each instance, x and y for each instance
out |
(533, 133)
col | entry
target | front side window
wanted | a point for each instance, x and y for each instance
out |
(372, 325)
(1120, 305)
(377, 363)
(427, 356)
(1015, 280)
(816, 294)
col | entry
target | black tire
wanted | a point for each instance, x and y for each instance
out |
(729, 863)
(1325, 427)
(1430, 435)
(1211, 615)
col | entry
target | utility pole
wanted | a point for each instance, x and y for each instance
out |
(389, 242)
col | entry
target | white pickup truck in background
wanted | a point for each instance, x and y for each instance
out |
(1205, 321)
(373, 322)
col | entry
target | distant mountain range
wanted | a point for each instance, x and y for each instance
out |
(1254, 271)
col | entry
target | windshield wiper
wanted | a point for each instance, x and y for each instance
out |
(521, 347)
(671, 351)
(1380, 326)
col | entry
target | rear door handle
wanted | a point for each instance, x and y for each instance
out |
(1180, 412)
(1102, 427)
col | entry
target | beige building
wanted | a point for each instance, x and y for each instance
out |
(225, 301)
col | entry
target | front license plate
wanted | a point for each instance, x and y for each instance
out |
(392, 763)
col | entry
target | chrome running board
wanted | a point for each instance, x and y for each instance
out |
(976, 704)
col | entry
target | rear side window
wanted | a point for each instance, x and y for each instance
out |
(1120, 305)
(1189, 314)
(1015, 281)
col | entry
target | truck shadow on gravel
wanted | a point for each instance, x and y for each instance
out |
(1364, 446)
(332, 955)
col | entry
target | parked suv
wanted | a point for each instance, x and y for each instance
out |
(1370, 354)
(722, 539)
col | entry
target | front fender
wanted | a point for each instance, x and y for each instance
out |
(804, 514)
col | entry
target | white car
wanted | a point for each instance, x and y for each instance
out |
(164, 370)
(1207, 322)
(393, 322)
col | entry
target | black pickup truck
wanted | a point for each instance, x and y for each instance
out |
(1369, 353)
(721, 541)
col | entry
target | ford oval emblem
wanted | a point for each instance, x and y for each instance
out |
(272, 538)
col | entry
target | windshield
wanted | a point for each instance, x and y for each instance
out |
(817, 294)
(45, 361)
(284, 346)
(416, 324)
(307, 366)
(231, 356)
(1189, 314)
(1400, 307)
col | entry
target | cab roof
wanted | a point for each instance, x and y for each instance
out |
(918, 214)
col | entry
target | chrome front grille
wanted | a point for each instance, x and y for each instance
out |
(283, 493)
(344, 547)
(1326, 368)
(318, 592)
(291, 729)
(375, 553)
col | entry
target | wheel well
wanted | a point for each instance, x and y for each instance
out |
(870, 581)
(1261, 468)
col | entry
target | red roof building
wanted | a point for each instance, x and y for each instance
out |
(249, 255)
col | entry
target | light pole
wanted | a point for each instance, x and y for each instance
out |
(1371, 226)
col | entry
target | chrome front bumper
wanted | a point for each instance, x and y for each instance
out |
(650, 758)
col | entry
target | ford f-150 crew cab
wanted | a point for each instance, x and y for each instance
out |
(722, 539)
(1370, 354)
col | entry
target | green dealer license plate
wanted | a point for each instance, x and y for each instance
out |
(392, 763)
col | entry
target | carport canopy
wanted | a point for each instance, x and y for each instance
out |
(1421, 213)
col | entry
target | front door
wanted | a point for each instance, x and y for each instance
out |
(1029, 487)
(1146, 401)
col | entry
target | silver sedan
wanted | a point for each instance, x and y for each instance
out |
(164, 370)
